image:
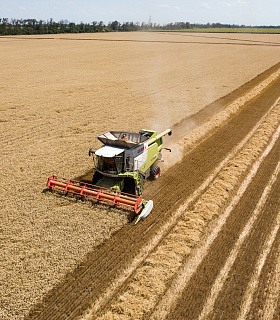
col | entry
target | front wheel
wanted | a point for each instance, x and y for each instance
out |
(155, 172)
(129, 186)
(96, 177)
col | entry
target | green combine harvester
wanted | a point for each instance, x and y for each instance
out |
(122, 164)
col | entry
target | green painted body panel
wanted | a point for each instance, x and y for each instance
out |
(152, 157)
(154, 148)
(151, 133)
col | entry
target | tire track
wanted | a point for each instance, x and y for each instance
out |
(254, 282)
(105, 264)
(229, 301)
(273, 290)
(201, 131)
(266, 299)
(169, 257)
(244, 276)
(35, 132)
(252, 43)
(115, 286)
(223, 275)
(193, 270)
(223, 38)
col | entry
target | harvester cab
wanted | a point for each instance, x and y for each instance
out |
(126, 159)
(122, 164)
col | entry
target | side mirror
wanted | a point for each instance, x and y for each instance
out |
(91, 152)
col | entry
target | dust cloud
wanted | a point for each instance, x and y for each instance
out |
(173, 157)
(175, 142)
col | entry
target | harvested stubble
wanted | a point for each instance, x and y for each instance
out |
(153, 277)
(56, 96)
(200, 132)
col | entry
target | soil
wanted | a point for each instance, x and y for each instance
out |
(59, 256)
(105, 279)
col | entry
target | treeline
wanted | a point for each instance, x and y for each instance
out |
(32, 26)
(187, 25)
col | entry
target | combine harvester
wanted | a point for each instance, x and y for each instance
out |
(122, 164)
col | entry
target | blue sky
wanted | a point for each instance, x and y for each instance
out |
(248, 12)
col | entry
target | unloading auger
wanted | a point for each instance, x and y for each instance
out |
(122, 164)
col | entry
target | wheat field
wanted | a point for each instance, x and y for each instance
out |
(58, 92)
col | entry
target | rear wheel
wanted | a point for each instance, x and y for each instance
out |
(155, 172)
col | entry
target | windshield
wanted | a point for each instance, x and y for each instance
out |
(112, 165)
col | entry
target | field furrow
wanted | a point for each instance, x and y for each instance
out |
(62, 258)
(162, 265)
(200, 162)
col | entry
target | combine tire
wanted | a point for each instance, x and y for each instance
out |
(97, 176)
(129, 186)
(155, 172)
